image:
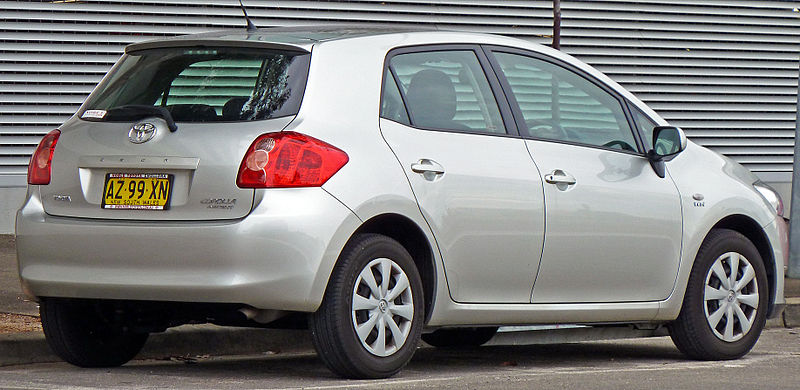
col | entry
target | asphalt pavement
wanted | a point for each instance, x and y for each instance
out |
(651, 363)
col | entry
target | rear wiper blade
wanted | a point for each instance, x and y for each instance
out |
(135, 111)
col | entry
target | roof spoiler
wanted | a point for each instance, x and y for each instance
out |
(213, 42)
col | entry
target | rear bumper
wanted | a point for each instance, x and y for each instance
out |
(278, 257)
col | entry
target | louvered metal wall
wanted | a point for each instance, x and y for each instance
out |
(725, 71)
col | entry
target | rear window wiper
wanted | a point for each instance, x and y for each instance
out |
(136, 111)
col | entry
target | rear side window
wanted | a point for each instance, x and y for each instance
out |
(205, 85)
(446, 90)
(392, 102)
(561, 105)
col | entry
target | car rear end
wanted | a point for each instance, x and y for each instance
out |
(174, 182)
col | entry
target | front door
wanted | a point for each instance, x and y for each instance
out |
(613, 235)
(613, 227)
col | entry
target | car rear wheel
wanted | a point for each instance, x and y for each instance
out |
(80, 333)
(725, 305)
(370, 320)
(460, 337)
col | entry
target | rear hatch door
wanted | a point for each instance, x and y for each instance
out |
(163, 136)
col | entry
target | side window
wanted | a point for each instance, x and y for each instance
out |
(447, 90)
(561, 105)
(391, 102)
(645, 124)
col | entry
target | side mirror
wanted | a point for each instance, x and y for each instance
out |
(668, 141)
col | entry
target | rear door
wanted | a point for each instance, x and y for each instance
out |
(119, 158)
(613, 226)
(472, 177)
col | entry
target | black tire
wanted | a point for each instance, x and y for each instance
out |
(79, 333)
(692, 331)
(333, 326)
(460, 337)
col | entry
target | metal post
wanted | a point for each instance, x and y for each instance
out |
(794, 218)
(557, 24)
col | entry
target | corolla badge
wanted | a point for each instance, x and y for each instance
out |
(142, 132)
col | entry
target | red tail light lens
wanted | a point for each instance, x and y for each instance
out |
(289, 159)
(39, 167)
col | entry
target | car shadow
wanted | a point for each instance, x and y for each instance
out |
(426, 362)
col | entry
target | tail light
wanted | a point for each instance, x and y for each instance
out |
(39, 167)
(289, 159)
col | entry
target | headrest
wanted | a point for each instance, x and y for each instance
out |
(431, 98)
(192, 112)
(232, 110)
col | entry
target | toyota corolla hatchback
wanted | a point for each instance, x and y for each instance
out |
(382, 186)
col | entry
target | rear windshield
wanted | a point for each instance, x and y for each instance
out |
(202, 85)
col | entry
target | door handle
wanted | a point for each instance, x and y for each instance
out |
(560, 177)
(427, 166)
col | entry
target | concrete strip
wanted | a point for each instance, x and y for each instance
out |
(792, 300)
(11, 299)
(791, 316)
(23, 348)
(777, 322)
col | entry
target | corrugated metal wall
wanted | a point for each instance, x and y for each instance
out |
(725, 71)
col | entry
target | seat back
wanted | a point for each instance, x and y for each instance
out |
(431, 99)
(192, 113)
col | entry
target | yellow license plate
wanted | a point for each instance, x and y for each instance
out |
(137, 191)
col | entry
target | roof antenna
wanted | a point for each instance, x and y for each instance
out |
(250, 26)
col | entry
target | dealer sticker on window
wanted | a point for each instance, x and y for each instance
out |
(94, 114)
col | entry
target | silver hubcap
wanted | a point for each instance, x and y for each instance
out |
(731, 296)
(383, 308)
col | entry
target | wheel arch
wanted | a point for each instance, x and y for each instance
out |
(749, 228)
(413, 239)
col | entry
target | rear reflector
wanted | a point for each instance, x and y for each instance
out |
(40, 165)
(289, 159)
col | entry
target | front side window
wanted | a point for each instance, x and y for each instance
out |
(646, 125)
(561, 105)
(447, 90)
(204, 85)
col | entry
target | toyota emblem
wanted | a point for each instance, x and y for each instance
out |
(142, 132)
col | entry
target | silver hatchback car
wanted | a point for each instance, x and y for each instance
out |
(382, 186)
